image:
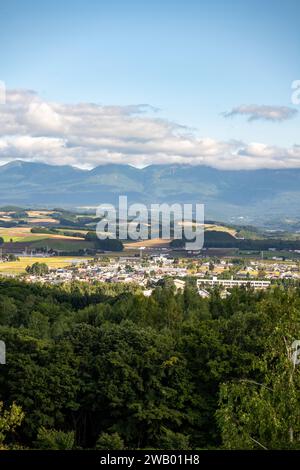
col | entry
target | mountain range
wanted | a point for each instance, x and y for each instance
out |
(249, 196)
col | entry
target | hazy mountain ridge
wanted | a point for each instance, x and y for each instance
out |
(252, 194)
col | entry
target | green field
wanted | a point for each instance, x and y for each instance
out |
(269, 255)
(19, 234)
(63, 244)
(23, 234)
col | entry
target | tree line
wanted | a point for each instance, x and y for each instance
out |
(101, 366)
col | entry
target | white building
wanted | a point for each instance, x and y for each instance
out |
(203, 293)
(147, 292)
(230, 283)
(179, 284)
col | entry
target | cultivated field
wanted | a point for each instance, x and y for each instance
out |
(152, 243)
(220, 228)
(18, 267)
(23, 234)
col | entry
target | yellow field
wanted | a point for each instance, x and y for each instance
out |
(220, 228)
(152, 243)
(39, 213)
(23, 234)
(18, 267)
(41, 220)
(34, 217)
(211, 227)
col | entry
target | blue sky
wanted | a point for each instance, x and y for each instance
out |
(194, 60)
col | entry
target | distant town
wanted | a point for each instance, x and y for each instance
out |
(59, 246)
(152, 271)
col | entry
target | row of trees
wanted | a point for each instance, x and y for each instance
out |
(107, 244)
(102, 366)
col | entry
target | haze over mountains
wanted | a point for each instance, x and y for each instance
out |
(252, 196)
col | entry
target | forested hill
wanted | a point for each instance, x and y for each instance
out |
(253, 195)
(102, 366)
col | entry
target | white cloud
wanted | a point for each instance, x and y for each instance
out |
(87, 135)
(262, 112)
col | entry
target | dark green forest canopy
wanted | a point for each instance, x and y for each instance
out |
(102, 366)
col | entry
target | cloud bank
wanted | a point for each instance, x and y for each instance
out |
(87, 135)
(262, 112)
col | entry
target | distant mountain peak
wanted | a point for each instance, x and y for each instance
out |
(227, 194)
